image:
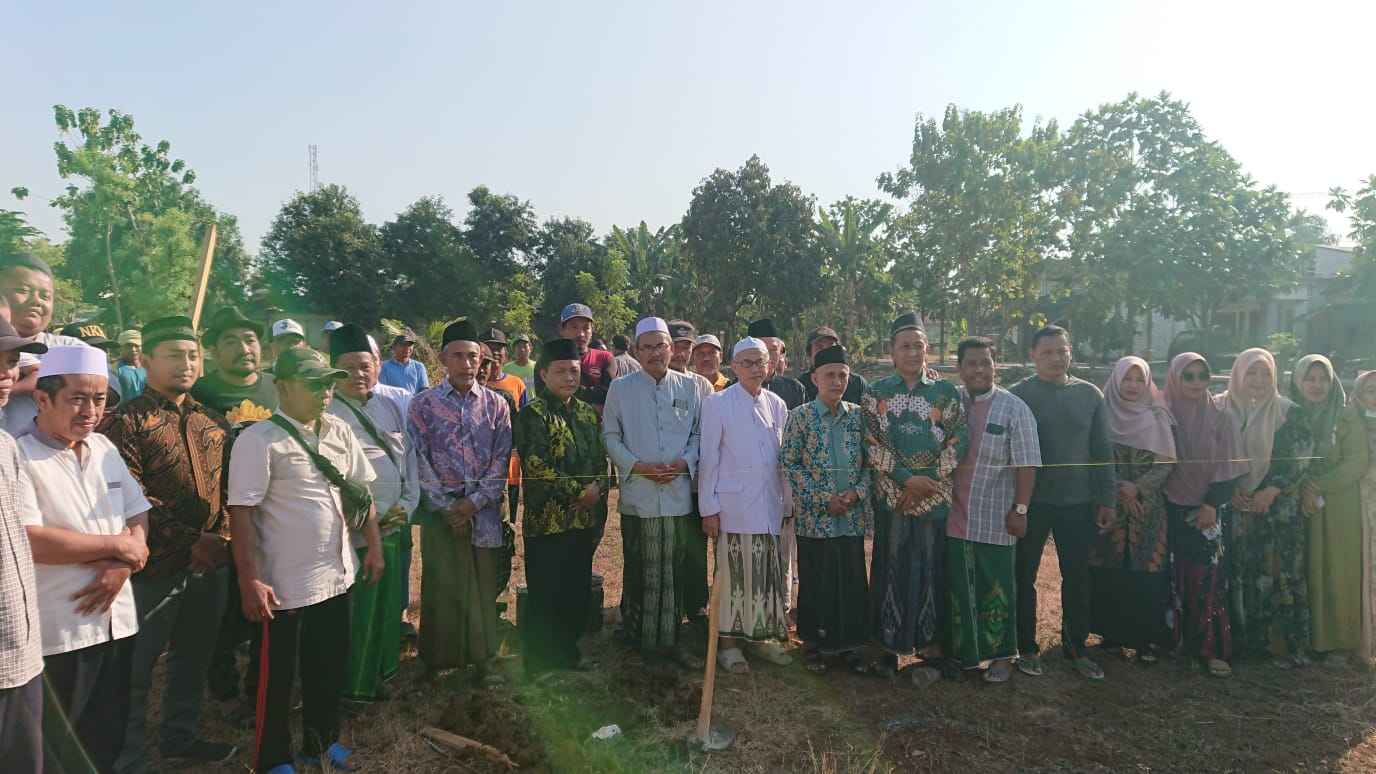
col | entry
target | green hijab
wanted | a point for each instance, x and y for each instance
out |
(1323, 417)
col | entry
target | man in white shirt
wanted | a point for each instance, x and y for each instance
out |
(291, 547)
(87, 525)
(379, 424)
(743, 497)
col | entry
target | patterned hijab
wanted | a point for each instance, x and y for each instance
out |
(1256, 420)
(1144, 423)
(1323, 416)
(1206, 440)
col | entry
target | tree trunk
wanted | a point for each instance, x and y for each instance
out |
(114, 283)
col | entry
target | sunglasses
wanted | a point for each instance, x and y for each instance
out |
(1195, 376)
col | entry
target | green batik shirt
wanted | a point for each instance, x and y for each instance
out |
(919, 432)
(823, 455)
(561, 452)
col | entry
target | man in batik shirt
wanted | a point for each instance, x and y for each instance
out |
(914, 434)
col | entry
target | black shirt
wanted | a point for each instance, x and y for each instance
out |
(788, 388)
(241, 404)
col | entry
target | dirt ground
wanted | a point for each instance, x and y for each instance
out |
(1166, 717)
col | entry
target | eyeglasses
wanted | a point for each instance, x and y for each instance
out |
(1195, 376)
(752, 363)
(653, 348)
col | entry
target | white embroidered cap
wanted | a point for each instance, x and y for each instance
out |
(651, 325)
(748, 343)
(61, 361)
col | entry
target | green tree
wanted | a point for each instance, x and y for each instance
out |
(654, 261)
(1161, 217)
(562, 249)
(321, 254)
(980, 222)
(120, 185)
(1360, 207)
(857, 255)
(501, 230)
(430, 261)
(752, 247)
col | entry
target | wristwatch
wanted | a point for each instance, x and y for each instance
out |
(1020, 509)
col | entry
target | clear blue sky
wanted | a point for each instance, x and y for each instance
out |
(614, 111)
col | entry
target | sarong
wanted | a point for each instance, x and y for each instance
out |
(1202, 626)
(832, 593)
(907, 581)
(664, 562)
(375, 647)
(458, 616)
(753, 602)
(983, 601)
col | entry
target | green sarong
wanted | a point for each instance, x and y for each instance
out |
(664, 561)
(980, 578)
(458, 595)
(375, 648)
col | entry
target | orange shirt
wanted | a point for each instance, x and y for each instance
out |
(516, 387)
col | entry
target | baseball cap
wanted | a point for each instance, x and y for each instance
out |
(707, 338)
(11, 341)
(520, 337)
(575, 310)
(305, 364)
(287, 327)
(682, 330)
(821, 332)
(330, 327)
(494, 336)
(403, 338)
(91, 333)
(131, 336)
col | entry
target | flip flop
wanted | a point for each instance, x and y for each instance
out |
(998, 672)
(772, 652)
(733, 661)
(1220, 668)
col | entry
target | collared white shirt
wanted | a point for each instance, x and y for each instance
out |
(396, 483)
(739, 477)
(94, 496)
(303, 548)
(654, 422)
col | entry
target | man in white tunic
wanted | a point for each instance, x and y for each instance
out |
(87, 526)
(743, 497)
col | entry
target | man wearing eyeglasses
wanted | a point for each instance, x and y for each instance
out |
(650, 425)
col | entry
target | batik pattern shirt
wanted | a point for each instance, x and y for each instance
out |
(917, 432)
(823, 455)
(179, 455)
(463, 448)
(561, 452)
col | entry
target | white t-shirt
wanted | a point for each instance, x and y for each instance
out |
(96, 496)
(303, 541)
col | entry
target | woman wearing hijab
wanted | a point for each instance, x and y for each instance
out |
(1267, 540)
(1128, 561)
(1198, 488)
(1329, 496)
(1364, 406)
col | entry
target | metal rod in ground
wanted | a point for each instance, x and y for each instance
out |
(706, 737)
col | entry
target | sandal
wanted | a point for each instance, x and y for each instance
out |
(733, 661)
(1220, 668)
(772, 652)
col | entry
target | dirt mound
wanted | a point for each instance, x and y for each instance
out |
(497, 719)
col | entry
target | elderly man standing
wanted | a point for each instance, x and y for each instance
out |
(915, 433)
(826, 338)
(778, 382)
(744, 497)
(651, 430)
(379, 424)
(706, 359)
(402, 369)
(21, 641)
(565, 462)
(990, 496)
(291, 544)
(177, 449)
(823, 456)
(462, 433)
(87, 525)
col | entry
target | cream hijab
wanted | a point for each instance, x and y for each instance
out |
(1256, 420)
(1144, 423)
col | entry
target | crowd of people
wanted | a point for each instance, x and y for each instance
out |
(153, 504)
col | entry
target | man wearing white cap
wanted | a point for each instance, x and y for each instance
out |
(286, 334)
(706, 359)
(87, 524)
(743, 498)
(650, 426)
